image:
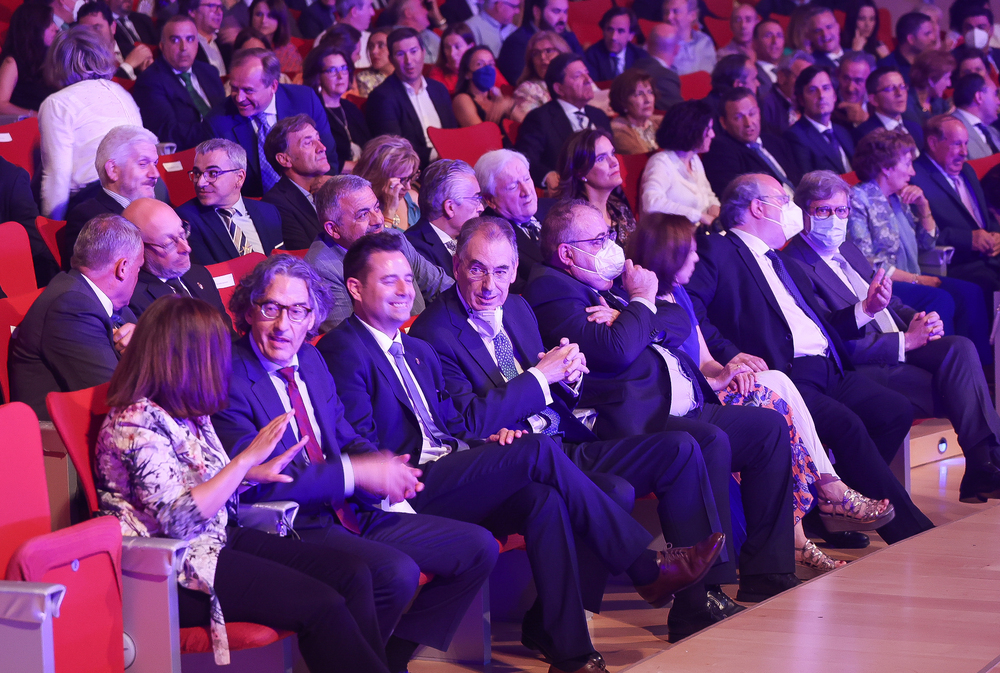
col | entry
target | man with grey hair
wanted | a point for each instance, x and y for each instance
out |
(449, 197)
(348, 208)
(126, 166)
(778, 110)
(74, 333)
(494, 23)
(255, 105)
(758, 308)
(223, 224)
(852, 105)
(662, 46)
(696, 51)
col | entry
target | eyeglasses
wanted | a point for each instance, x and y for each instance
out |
(211, 175)
(336, 70)
(271, 310)
(478, 198)
(477, 273)
(211, 7)
(171, 245)
(825, 212)
(896, 88)
(544, 51)
(410, 178)
(783, 199)
(610, 235)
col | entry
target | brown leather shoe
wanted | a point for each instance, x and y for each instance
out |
(680, 567)
(595, 664)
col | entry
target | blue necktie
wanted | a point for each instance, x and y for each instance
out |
(435, 436)
(268, 176)
(778, 173)
(505, 359)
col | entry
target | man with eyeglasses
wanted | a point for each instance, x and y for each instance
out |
(207, 15)
(223, 224)
(887, 94)
(348, 208)
(167, 267)
(902, 349)
(757, 307)
(449, 197)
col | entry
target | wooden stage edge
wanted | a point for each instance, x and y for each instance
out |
(928, 604)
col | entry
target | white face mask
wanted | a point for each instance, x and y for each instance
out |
(977, 38)
(830, 233)
(791, 219)
(609, 262)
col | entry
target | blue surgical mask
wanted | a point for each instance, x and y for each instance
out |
(830, 233)
(484, 78)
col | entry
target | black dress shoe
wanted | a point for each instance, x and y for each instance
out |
(719, 601)
(850, 539)
(594, 664)
(680, 567)
(980, 484)
(756, 588)
(682, 623)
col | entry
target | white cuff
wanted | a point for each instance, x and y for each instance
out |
(129, 70)
(348, 475)
(540, 377)
(645, 302)
(902, 347)
(538, 423)
(402, 507)
(860, 316)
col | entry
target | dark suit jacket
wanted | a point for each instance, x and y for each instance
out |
(254, 402)
(375, 402)
(226, 50)
(510, 60)
(63, 344)
(389, 110)
(456, 11)
(543, 133)
(18, 205)
(291, 99)
(666, 82)
(475, 383)
(728, 158)
(628, 383)
(210, 242)
(774, 109)
(197, 280)
(299, 222)
(955, 223)
(875, 123)
(598, 60)
(812, 150)
(148, 34)
(316, 18)
(897, 61)
(166, 107)
(737, 310)
(100, 204)
(427, 243)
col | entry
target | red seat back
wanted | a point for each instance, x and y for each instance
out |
(52, 232)
(17, 271)
(78, 416)
(467, 144)
(720, 8)
(583, 19)
(695, 85)
(23, 148)
(12, 311)
(983, 166)
(173, 169)
(851, 178)
(24, 498)
(719, 30)
(632, 166)
(232, 271)
(510, 127)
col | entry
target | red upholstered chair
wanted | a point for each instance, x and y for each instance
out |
(982, 166)
(719, 30)
(632, 166)
(228, 274)
(73, 574)
(173, 169)
(696, 85)
(17, 271)
(851, 178)
(296, 253)
(583, 20)
(720, 8)
(467, 144)
(12, 310)
(510, 127)
(52, 232)
(24, 148)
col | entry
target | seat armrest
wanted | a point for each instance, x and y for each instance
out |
(936, 261)
(27, 610)
(277, 517)
(30, 602)
(149, 602)
(159, 557)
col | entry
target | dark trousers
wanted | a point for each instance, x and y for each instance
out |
(863, 424)
(983, 272)
(323, 594)
(396, 548)
(531, 487)
(963, 302)
(943, 378)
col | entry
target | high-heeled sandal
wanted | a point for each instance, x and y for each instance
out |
(857, 512)
(811, 556)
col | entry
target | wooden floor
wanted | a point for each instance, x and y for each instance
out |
(929, 604)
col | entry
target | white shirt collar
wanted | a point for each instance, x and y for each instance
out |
(973, 119)
(819, 127)
(889, 122)
(442, 234)
(570, 108)
(413, 92)
(270, 366)
(305, 192)
(384, 342)
(240, 207)
(103, 298)
(485, 16)
(121, 200)
(272, 108)
(758, 247)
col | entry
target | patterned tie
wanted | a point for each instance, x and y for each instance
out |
(199, 102)
(532, 228)
(776, 170)
(989, 137)
(235, 233)
(268, 176)
(178, 287)
(505, 359)
(451, 246)
(435, 436)
(786, 280)
(582, 119)
(116, 320)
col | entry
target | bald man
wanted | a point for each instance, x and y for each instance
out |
(167, 268)
(662, 46)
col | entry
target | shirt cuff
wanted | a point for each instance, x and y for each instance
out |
(645, 302)
(348, 476)
(128, 70)
(860, 316)
(546, 391)
(902, 347)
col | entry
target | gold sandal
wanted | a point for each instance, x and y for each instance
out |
(856, 512)
(811, 556)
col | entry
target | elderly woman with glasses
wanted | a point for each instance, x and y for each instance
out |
(329, 72)
(391, 165)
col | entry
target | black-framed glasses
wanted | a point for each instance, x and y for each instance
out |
(212, 174)
(410, 178)
(610, 235)
(337, 70)
(271, 310)
(477, 273)
(826, 212)
(171, 245)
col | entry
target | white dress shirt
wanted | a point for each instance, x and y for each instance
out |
(194, 83)
(306, 193)
(892, 124)
(426, 112)
(844, 161)
(807, 337)
(668, 187)
(119, 199)
(270, 113)
(105, 300)
(771, 69)
(575, 120)
(242, 219)
(445, 238)
(211, 48)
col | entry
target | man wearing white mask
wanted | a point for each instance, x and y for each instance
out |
(757, 307)
(900, 348)
(977, 29)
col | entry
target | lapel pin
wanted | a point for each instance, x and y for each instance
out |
(200, 286)
(417, 360)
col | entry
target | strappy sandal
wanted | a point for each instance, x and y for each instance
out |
(855, 512)
(811, 556)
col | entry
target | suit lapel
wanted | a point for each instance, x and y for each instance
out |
(758, 276)
(827, 275)
(407, 107)
(319, 395)
(527, 358)
(215, 228)
(471, 340)
(264, 390)
(382, 362)
(947, 187)
(424, 378)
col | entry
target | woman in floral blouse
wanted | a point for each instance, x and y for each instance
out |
(162, 471)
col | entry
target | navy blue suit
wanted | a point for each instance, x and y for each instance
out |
(426, 241)
(299, 222)
(198, 281)
(211, 243)
(814, 152)
(529, 487)
(18, 205)
(290, 100)
(389, 110)
(543, 133)
(510, 60)
(897, 61)
(728, 158)
(316, 18)
(393, 545)
(166, 106)
(875, 123)
(598, 60)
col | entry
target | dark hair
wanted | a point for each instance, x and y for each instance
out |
(734, 95)
(400, 34)
(179, 357)
(279, 12)
(760, 23)
(25, 41)
(248, 34)
(975, 10)
(342, 37)
(254, 285)
(728, 70)
(358, 255)
(931, 65)
(965, 53)
(464, 68)
(880, 149)
(624, 86)
(871, 84)
(555, 39)
(633, 21)
(851, 26)
(557, 70)
(95, 7)
(661, 243)
(463, 31)
(909, 24)
(577, 156)
(806, 76)
(529, 11)
(312, 67)
(956, 13)
(966, 88)
(276, 141)
(683, 126)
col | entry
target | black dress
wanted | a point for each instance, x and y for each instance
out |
(31, 89)
(347, 123)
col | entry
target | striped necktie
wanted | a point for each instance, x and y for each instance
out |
(235, 233)
(268, 176)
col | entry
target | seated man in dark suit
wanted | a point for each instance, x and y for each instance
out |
(177, 93)
(393, 389)
(817, 143)
(901, 349)
(915, 34)
(756, 306)
(489, 346)
(778, 109)
(634, 385)
(538, 15)
(256, 104)
(959, 206)
(824, 36)
(852, 106)
(976, 106)
(223, 224)
(615, 53)
(887, 100)
(74, 333)
(341, 477)
(126, 165)
(293, 147)
(131, 27)
(661, 47)
(544, 131)
(317, 17)
(768, 45)
(167, 267)
(97, 15)
(739, 146)
(407, 103)
(349, 209)
(731, 72)
(449, 196)
(18, 205)
(207, 16)
(977, 26)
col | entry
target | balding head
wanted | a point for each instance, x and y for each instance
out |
(662, 42)
(164, 235)
(753, 203)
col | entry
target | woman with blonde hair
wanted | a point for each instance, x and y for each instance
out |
(530, 91)
(391, 165)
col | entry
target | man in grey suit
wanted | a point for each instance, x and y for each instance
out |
(348, 209)
(976, 106)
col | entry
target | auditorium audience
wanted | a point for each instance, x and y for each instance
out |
(358, 14)
(742, 22)
(547, 16)
(852, 105)
(75, 331)
(207, 15)
(455, 41)
(661, 47)
(161, 469)
(976, 106)
(969, 61)
(674, 180)
(695, 49)
(449, 197)
(930, 77)
(915, 34)
(768, 46)
(636, 126)
(329, 73)
(817, 142)
(977, 28)
(531, 91)
(589, 170)
(392, 167)
(731, 72)
(861, 29)
(133, 28)
(342, 37)
(493, 23)
(824, 37)
(22, 82)
(223, 224)
(778, 110)
(887, 94)
(616, 53)
(97, 15)
(478, 98)
(415, 15)
(381, 65)
(270, 17)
